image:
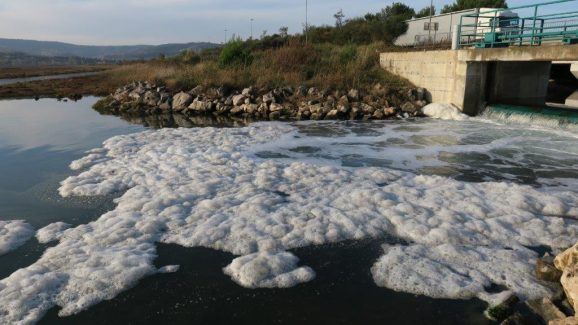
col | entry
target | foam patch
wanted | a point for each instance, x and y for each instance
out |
(13, 234)
(208, 188)
(468, 271)
(443, 112)
(268, 270)
(52, 232)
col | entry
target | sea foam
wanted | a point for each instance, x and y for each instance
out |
(444, 112)
(13, 234)
(207, 188)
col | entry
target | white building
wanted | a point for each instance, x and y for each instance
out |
(442, 26)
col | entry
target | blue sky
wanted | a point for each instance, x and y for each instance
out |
(114, 22)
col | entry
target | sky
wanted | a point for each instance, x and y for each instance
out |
(129, 22)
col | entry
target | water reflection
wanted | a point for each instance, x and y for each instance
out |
(167, 120)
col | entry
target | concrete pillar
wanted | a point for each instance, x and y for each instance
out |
(455, 37)
(573, 99)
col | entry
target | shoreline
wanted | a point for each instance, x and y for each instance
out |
(279, 103)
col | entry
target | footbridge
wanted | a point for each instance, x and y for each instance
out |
(499, 58)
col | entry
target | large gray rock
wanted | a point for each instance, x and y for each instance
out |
(353, 94)
(200, 106)
(151, 98)
(410, 107)
(181, 101)
(275, 107)
(269, 98)
(239, 100)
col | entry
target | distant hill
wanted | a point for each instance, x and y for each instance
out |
(129, 52)
(26, 60)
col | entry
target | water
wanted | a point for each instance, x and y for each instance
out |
(38, 140)
(56, 76)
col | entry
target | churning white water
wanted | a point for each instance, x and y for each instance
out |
(469, 199)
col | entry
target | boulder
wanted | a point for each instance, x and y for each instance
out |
(197, 91)
(378, 114)
(410, 107)
(269, 98)
(248, 91)
(389, 111)
(420, 94)
(331, 115)
(165, 106)
(545, 269)
(564, 321)
(275, 107)
(200, 106)
(181, 101)
(135, 95)
(343, 108)
(239, 100)
(546, 309)
(250, 108)
(236, 110)
(275, 115)
(151, 98)
(567, 262)
(353, 94)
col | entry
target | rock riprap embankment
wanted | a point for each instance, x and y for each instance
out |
(299, 103)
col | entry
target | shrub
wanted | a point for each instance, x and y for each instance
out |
(348, 54)
(235, 53)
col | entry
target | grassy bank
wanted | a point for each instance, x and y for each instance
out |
(324, 66)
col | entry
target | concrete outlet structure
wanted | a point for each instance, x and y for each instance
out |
(573, 99)
(472, 78)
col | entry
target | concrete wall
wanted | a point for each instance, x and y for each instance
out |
(469, 78)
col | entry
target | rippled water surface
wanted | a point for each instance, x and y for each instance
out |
(38, 140)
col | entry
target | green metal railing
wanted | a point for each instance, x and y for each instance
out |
(518, 26)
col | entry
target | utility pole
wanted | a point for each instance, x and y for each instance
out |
(430, 17)
(306, 20)
(226, 36)
(252, 28)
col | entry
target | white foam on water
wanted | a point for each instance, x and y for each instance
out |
(444, 112)
(268, 270)
(457, 271)
(13, 234)
(169, 269)
(205, 188)
(52, 232)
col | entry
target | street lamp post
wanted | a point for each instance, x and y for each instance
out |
(252, 28)
(430, 17)
(306, 20)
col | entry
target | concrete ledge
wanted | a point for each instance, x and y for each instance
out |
(462, 77)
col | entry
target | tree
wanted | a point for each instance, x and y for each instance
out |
(471, 4)
(394, 18)
(426, 12)
(398, 10)
(284, 31)
(339, 18)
